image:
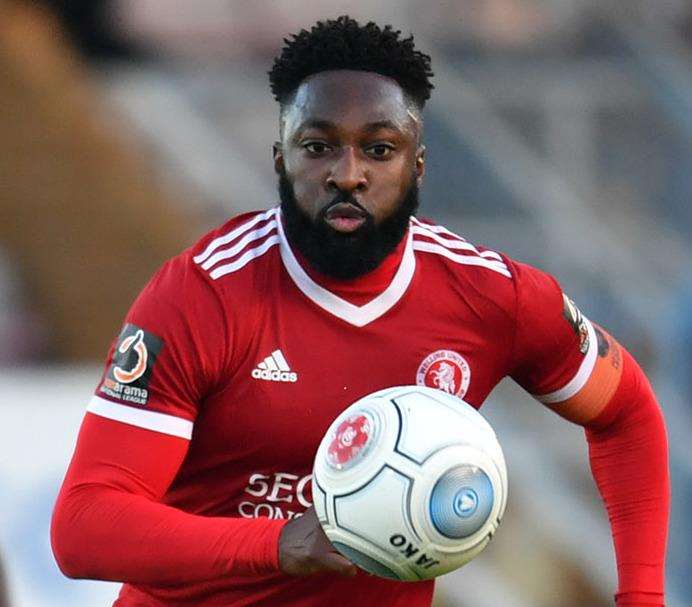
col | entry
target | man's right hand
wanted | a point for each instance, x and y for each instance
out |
(304, 549)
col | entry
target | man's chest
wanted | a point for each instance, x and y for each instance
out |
(299, 367)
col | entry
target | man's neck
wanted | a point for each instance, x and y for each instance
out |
(362, 289)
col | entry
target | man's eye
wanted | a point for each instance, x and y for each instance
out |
(316, 147)
(380, 150)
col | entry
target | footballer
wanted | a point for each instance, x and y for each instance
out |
(192, 467)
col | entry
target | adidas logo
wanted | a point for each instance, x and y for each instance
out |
(274, 368)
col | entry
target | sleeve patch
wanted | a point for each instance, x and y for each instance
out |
(592, 398)
(134, 356)
(577, 321)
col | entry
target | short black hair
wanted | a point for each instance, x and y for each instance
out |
(344, 44)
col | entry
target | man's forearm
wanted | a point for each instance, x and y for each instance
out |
(628, 452)
(109, 524)
(102, 533)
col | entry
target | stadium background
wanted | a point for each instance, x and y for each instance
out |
(560, 131)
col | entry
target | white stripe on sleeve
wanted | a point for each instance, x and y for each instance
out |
(582, 375)
(150, 420)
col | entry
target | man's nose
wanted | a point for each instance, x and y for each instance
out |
(347, 174)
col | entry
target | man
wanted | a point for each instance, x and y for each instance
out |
(194, 459)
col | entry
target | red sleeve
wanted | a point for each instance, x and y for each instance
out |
(628, 451)
(573, 368)
(172, 350)
(554, 344)
(108, 523)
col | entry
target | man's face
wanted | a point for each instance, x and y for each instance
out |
(349, 164)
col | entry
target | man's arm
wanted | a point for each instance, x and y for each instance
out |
(109, 524)
(628, 454)
(583, 374)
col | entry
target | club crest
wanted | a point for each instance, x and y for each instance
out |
(445, 370)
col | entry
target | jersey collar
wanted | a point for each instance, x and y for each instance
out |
(358, 316)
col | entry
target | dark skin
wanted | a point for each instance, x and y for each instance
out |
(352, 132)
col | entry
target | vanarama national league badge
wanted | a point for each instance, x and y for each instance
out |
(135, 353)
(445, 370)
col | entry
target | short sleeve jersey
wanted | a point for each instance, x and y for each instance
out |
(234, 346)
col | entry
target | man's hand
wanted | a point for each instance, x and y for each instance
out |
(304, 549)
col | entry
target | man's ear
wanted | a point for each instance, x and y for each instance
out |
(420, 164)
(278, 154)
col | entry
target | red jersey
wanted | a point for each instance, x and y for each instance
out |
(237, 346)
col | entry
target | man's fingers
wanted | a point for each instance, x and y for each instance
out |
(333, 561)
(304, 549)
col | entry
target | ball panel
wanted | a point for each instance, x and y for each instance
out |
(352, 439)
(364, 463)
(364, 561)
(435, 468)
(434, 414)
(461, 501)
(377, 510)
(319, 501)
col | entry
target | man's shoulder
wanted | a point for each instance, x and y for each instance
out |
(466, 259)
(487, 278)
(222, 252)
(234, 245)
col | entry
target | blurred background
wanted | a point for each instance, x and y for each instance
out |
(560, 132)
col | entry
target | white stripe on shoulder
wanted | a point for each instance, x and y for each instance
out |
(438, 229)
(460, 245)
(233, 234)
(471, 260)
(150, 420)
(435, 228)
(240, 245)
(581, 376)
(245, 258)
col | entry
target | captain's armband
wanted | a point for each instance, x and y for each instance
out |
(599, 387)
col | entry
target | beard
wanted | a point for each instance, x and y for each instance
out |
(339, 255)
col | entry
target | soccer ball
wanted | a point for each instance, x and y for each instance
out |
(409, 483)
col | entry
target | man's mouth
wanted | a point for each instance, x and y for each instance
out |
(345, 217)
